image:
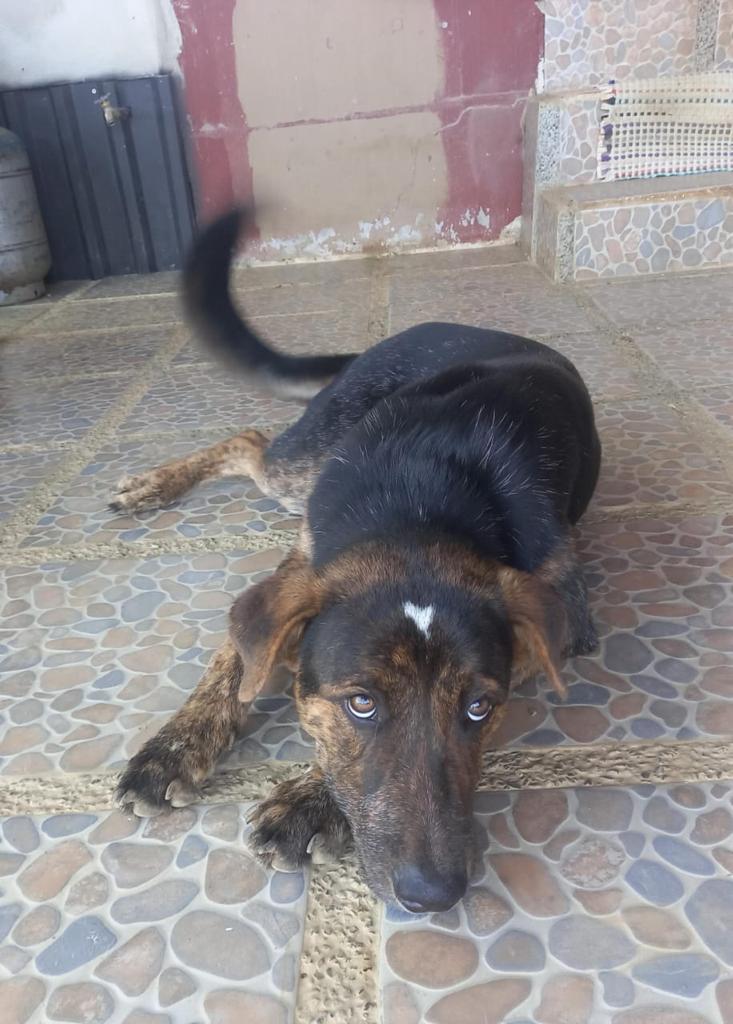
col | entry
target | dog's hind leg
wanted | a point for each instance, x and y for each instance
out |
(241, 455)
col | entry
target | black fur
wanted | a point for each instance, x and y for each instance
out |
(443, 429)
(430, 467)
(209, 304)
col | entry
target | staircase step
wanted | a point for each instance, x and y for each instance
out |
(632, 228)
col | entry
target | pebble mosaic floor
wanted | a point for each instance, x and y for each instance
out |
(591, 904)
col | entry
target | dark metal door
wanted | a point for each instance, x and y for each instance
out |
(113, 185)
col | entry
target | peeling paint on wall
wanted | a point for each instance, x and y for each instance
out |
(361, 127)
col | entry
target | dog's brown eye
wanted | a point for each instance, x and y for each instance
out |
(362, 706)
(480, 709)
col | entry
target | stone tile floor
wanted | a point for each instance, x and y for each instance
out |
(594, 902)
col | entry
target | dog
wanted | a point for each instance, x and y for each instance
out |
(439, 475)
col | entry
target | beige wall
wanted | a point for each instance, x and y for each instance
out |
(350, 173)
(325, 59)
(360, 124)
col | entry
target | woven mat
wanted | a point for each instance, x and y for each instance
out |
(661, 126)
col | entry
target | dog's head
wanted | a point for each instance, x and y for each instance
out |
(404, 671)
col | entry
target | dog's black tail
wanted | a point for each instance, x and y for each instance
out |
(209, 304)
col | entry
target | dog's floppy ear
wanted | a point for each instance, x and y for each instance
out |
(268, 618)
(538, 624)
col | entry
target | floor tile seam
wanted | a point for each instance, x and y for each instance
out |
(240, 289)
(667, 275)
(32, 447)
(568, 766)
(166, 294)
(547, 337)
(66, 333)
(620, 397)
(642, 324)
(50, 307)
(672, 510)
(144, 549)
(63, 332)
(42, 497)
(273, 538)
(397, 272)
(379, 313)
(656, 334)
(708, 430)
(701, 424)
(324, 908)
(187, 433)
(36, 377)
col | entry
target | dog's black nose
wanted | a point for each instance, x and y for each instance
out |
(424, 891)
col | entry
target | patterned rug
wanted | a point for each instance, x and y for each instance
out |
(663, 126)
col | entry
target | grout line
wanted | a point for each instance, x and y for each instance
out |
(673, 510)
(174, 322)
(31, 447)
(339, 956)
(209, 434)
(19, 525)
(52, 307)
(701, 423)
(238, 289)
(69, 378)
(84, 332)
(622, 763)
(274, 538)
(379, 315)
(271, 539)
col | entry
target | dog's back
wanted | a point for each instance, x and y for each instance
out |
(344, 388)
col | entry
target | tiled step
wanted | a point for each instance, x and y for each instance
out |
(560, 141)
(561, 138)
(632, 228)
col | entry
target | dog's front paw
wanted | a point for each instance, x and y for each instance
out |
(299, 819)
(160, 775)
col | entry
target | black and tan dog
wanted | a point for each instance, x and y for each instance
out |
(438, 474)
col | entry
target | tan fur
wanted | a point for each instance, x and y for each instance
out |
(538, 626)
(238, 456)
(266, 626)
(184, 753)
(266, 619)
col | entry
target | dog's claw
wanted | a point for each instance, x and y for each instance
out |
(280, 863)
(143, 808)
(319, 851)
(138, 494)
(180, 794)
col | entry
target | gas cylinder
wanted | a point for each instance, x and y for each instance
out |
(24, 254)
